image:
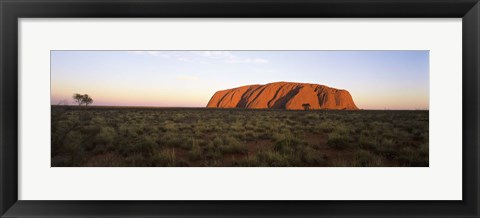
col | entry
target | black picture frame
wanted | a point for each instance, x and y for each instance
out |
(12, 10)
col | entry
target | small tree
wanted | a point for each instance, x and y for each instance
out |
(78, 98)
(82, 99)
(306, 106)
(87, 100)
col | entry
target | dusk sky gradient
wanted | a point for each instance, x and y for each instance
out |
(375, 79)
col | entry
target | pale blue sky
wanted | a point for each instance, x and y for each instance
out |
(375, 79)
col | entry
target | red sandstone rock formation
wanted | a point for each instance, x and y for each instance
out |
(283, 95)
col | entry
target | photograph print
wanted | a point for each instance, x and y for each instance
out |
(240, 108)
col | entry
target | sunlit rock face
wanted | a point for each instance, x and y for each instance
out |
(283, 95)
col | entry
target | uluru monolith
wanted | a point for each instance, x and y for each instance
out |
(283, 95)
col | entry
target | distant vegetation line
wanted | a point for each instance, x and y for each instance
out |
(166, 107)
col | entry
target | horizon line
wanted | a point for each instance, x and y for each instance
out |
(186, 107)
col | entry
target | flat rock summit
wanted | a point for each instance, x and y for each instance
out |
(283, 95)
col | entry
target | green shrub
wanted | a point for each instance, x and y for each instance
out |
(105, 136)
(367, 142)
(250, 135)
(74, 148)
(263, 134)
(172, 140)
(287, 144)
(326, 127)
(338, 140)
(168, 126)
(313, 116)
(249, 161)
(90, 130)
(249, 126)
(273, 159)
(212, 151)
(217, 142)
(165, 158)
(145, 145)
(73, 142)
(311, 156)
(364, 158)
(408, 157)
(195, 152)
(232, 145)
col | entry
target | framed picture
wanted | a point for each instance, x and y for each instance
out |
(226, 108)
